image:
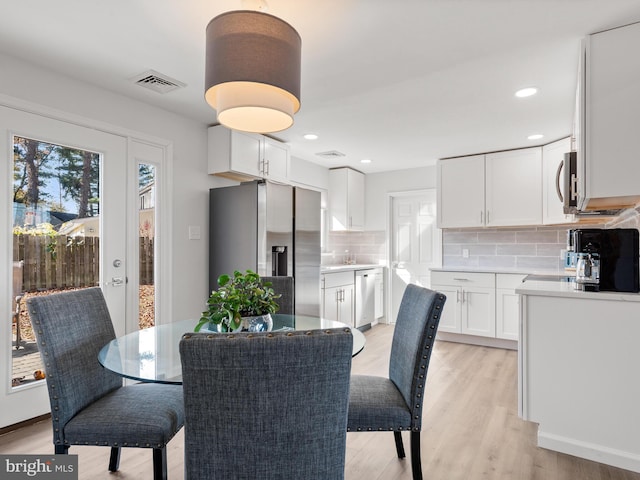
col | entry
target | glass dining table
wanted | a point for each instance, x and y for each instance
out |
(152, 354)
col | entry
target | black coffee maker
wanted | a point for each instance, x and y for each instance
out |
(617, 250)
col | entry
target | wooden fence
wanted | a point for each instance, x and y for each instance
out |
(63, 262)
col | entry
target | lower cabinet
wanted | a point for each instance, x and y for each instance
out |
(507, 305)
(471, 302)
(338, 297)
(479, 304)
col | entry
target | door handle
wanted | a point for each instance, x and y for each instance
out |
(117, 282)
(558, 190)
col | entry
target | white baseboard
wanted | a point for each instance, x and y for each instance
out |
(590, 451)
(477, 340)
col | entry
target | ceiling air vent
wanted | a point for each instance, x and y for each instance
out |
(157, 82)
(331, 154)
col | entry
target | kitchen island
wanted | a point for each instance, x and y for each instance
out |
(578, 371)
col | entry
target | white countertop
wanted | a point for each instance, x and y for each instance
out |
(567, 290)
(515, 271)
(346, 268)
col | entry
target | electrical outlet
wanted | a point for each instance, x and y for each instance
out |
(194, 232)
(465, 253)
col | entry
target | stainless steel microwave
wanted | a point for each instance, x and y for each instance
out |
(567, 188)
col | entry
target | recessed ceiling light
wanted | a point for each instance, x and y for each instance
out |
(526, 92)
(365, 160)
(310, 136)
(535, 136)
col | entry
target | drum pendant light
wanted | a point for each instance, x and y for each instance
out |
(252, 71)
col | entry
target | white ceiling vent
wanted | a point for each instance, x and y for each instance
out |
(157, 82)
(331, 154)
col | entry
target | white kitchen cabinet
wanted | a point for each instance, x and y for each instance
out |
(578, 368)
(338, 297)
(461, 192)
(346, 200)
(245, 156)
(275, 160)
(493, 190)
(552, 173)
(507, 305)
(513, 194)
(379, 295)
(608, 166)
(471, 302)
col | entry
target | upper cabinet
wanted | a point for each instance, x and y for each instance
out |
(608, 143)
(245, 156)
(346, 200)
(513, 187)
(493, 190)
(461, 192)
(552, 174)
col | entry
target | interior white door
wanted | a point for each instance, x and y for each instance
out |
(415, 243)
(22, 399)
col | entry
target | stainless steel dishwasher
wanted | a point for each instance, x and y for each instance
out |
(365, 297)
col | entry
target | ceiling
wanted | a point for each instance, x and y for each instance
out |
(400, 82)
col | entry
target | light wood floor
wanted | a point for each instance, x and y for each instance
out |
(471, 428)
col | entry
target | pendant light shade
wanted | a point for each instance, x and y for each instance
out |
(252, 71)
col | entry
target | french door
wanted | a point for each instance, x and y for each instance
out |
(63, 225)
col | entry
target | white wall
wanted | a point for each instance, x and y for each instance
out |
(190, 181)
(378, 185)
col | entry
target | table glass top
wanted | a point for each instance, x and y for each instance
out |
(152, 354)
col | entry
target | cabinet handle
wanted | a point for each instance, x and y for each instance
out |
(461, 279)
(266, 167)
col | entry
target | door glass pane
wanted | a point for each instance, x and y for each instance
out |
(56, 208)
(146, 227)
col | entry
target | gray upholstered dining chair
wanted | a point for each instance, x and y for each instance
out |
(267, 405)
(395, 403)
(284, 286)
(89, 404)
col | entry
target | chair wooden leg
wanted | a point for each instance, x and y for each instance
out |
(61, 449)
(160, 463)
(416, 463)
(399, 445)
(114, 459)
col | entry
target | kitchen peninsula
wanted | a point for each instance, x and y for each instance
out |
(578, 370)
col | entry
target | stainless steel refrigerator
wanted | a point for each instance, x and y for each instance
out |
(269, 228)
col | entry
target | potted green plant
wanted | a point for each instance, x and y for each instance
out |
(237, 303)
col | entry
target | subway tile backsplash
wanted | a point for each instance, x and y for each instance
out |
(536, 249)
(355, 247)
